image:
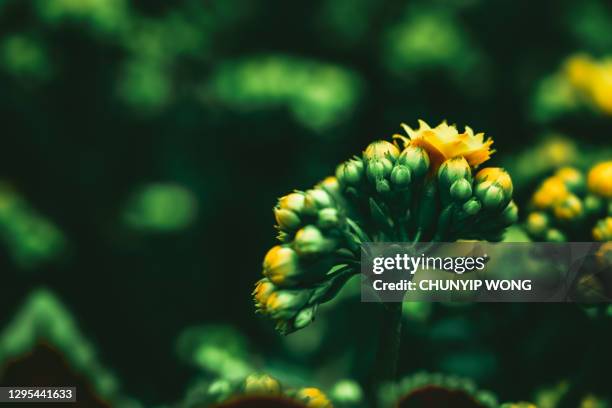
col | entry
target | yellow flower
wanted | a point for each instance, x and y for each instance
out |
(445, 142)
(570, 176)
(600, 179)
(313, 398)
(568, 208)
(550, 192)
(601, 86)
(603, 230)
(280, 265)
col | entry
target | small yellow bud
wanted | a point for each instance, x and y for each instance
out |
(293, 202)
(573, 179)
(311, 241)
(263, 289)
(600, 179)
(490, 175)
(381, 149)
(537, 224)
(280, 265)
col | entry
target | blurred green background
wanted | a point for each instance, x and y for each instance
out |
(144, 144)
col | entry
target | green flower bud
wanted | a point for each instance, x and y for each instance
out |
(510, 214)
(261, 384)
(315, 200)
(461, 190)
(310, 241)
(452, 170)
(383, 186)
(328, 218)
(491, 182)
(280, 265)
(416, 159)
(400, 176)
(350, 172)
(472, 206)
(554, 235)
(593, 204)
(286, 304)
(378, 169)
(381, 149)
(304, 318)
(537, 224)
(491, 197)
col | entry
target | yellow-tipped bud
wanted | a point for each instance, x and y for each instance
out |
(350, 172)
(416, 159)
(603, 230)
(537, 224)
(313, 398)
(287, 211)
(293, 202)
(381, 149)
(261, 384)
(600, 179)
(453, 170)
(554, 235)
(316, 199)
(491, 175)
(280, 265)
(569, 208)
(263, 289)
(286, 304)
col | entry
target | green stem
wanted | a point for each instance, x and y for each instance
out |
(387, 355)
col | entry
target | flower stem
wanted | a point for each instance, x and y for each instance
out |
(385, 367)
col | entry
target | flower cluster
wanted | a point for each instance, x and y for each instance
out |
(435, 389)
(421, 187)
(258, 390)
(571, 207)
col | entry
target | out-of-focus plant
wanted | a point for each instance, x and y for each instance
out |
(161, 207)
(43, 318)
(24, 57)
(571, 207)
(582, 83)
(219, 350)
(318, 95)
(103, 15)
(429, 38)
(422, 187)
(32, 240)
(435, 390)
(552, 397)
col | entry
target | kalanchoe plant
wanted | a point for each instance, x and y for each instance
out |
(422, 187)
(571, 207)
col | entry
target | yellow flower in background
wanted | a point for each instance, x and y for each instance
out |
(600, 179)
(592, 78)
(445, 142)
(550, 192)
(603, 230)
(313, 398)
(569, 208)
(579, 70)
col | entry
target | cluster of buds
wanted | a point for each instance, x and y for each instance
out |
(571, 207)
(259, 390)
(435, 389)
(426, 188)
(423, 187)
